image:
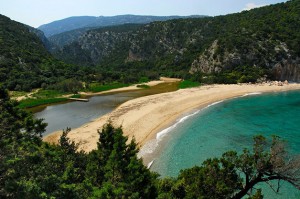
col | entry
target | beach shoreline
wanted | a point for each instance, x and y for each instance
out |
(143, 118)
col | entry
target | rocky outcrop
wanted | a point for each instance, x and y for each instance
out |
(279, 60)
(211, 61)
(95, 46)
(287, 70)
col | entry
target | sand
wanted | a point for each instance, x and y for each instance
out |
(144, 117)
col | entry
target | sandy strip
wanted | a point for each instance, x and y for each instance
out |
(144, 117)
(28, 95)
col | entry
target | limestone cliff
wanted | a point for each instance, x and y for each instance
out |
(288, 70)
(278, 59)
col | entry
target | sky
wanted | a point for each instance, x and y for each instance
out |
(38, 12)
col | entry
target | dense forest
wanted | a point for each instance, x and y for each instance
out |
(31, 168)
(25, 63)
(233, 48)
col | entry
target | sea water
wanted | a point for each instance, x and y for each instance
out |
(231, 125)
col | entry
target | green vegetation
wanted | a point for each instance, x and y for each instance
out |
(218, 47)
(68, 85)
(76, 96)
(144, 80)
(25, 63)
(43, 97)
(96, 87)
(47, 94)
(188, 84)
(143, 86)
(31, 168)
(14, 94)
(29, 103)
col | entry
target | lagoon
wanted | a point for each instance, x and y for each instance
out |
(75, 114)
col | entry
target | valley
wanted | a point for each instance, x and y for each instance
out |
(174, 105)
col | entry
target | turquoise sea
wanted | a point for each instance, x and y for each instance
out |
(231, 125)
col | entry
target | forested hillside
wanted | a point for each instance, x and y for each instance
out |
(24, 61)
(234, 48)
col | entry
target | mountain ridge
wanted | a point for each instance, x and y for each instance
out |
(77, 22)
(233, 48)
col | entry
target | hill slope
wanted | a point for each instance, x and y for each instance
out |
(234, 48)
(24, 61)
(73, 23)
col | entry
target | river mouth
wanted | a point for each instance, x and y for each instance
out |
(74, 114)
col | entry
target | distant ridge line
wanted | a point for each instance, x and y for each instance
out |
(77, 22)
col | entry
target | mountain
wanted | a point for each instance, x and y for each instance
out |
(40, 34)
(79, 22)
(62, 39)
(95, 45)
(239, 47)
(25, 62)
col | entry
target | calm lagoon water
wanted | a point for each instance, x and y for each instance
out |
(231, 125)
(75, 114)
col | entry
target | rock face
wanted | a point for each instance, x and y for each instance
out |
(279, 60)
(97, 45)
(263, 41)
(288, 70)
(210, 60)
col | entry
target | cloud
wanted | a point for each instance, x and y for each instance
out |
(250, 6)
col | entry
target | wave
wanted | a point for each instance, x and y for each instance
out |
(150, 164)
(254, 93)
(151, 145)
(218, 102)
(164, 132)
(148, 148)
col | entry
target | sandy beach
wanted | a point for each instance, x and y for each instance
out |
(144, 117)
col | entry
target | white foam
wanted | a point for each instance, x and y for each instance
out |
(151, 145)
(164, 132)
(254, 93)
(150, 164)
(148, 148)
(218, 102)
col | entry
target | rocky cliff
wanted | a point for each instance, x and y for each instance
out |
(288, 70)
(281, 62)
(266, 39)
